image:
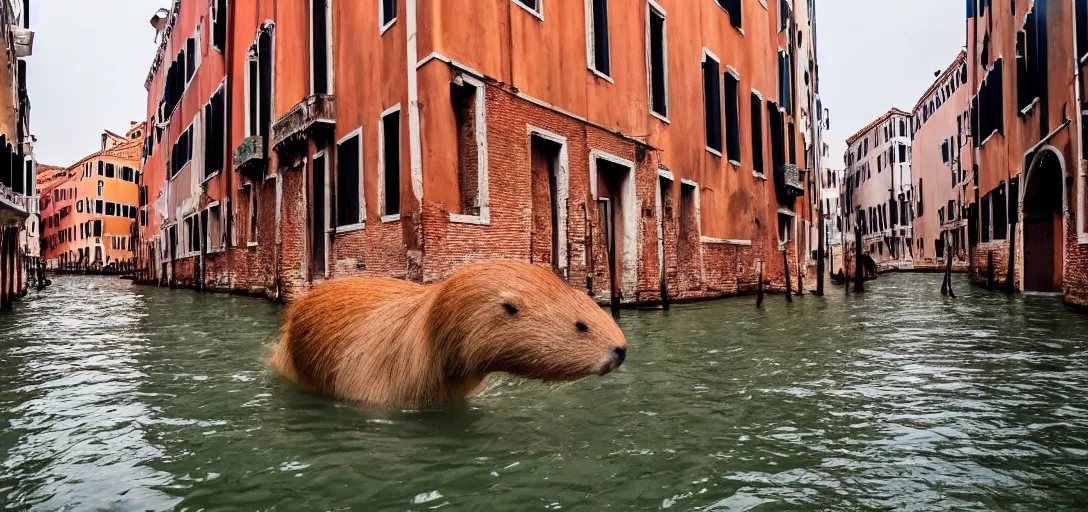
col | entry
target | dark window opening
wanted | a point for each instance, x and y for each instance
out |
(389, 11)
(757, 133)
(600, 37)
(985, 218)
(319, 43)
(658, 87)
(712, 104)
(215, 134)
(219, 27)
(732, 117)
(733, 7)
(1000, 213)
(391, 149)
(347, 182)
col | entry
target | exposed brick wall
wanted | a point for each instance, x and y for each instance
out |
(1075, 281)
(693, 269)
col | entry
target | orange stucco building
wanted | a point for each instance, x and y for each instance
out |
(1026, 66)
(88, 212)
(640, 149)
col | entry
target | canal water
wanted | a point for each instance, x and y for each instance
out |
(120, 397)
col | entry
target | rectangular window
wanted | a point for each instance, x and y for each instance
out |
(97, 228)
(319, 38)
(1000, 212)
(181, 153)
(985, 210)
(214, 231)
(101, 168)
(733, 8)
(348, 179)
(110, 172)
(190, 55)
(389, 12)
(254, 196)
(986, 107)
(945, 151)
(658, 74)
(465, 101)
(757, 133)
(219, 27)
(214, 134)
(712, 110)
(1082, 28)
(732, 116)
(390, 156)
(254, 82)
(99, 207)
(599, 41)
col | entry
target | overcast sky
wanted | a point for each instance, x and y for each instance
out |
(879, 54)
(87, 72)
(89, 64)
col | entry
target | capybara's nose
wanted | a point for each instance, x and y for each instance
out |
(619, 354)
(613, 360)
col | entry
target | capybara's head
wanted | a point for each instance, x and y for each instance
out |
(522, 319)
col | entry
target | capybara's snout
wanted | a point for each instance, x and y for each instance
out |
(613, 360)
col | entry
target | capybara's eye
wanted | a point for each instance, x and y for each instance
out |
(582, 327)
(510, 308)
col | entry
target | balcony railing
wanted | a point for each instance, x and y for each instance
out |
(12, 205)
(249, 155)
(298, 124)
(787, 181)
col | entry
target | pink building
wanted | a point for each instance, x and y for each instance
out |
(940, 168)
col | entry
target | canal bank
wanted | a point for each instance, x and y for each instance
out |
(123, 396)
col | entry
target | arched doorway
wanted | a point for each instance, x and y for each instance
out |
(1043, 209)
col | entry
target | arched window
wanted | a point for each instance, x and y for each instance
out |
(101, 186)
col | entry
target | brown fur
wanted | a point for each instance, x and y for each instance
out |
(387, 341)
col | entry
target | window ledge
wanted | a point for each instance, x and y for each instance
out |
(764, 4)
(469, 219)
(251, 245)
(390, 218)
(663, 118)
(987, 139)
(386, 27)
(207, 179)
(601, 75)
(214, 251)
(537, 15)
(1027, 109)
(359, 226)
(713, 151)
(1082, 239)
(735, 163)
(759, 175)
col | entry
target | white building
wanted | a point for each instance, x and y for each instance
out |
(879, 195)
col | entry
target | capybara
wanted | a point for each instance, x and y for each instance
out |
(391, 342)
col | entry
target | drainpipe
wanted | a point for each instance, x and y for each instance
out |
(1078, 113)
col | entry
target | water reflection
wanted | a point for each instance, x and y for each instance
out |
(141, 398)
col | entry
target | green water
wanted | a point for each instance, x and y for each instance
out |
(119, 397)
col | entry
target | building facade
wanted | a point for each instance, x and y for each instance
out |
(941, 169)
(18, 209)
(879, 192)
(643, 150)
(1027, 220)
(90, 211)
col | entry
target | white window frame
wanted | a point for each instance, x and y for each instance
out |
(251, 234)
(395, 109)
(222, 242)
(358, 132)
(185, 239)
(246, 100)
(707, 54)
(326, 223)
(653, 7)
(631, 247)
(537, 13)
(591, 58)
(562, 189)
(215, 14)
(381, 15)
(481, 157)
(222, 88)
(735, 74)
(329, 68)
